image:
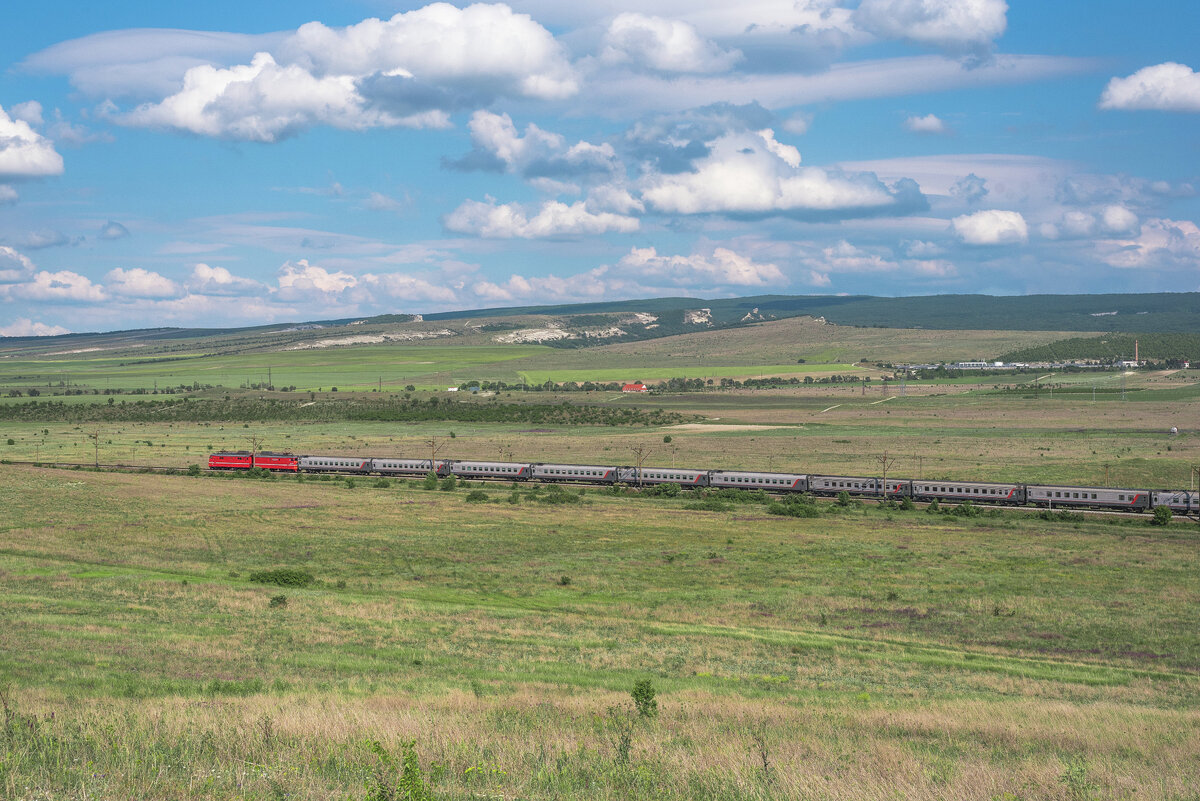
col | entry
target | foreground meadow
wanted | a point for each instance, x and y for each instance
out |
(865, 653)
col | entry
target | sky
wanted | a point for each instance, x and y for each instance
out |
(227, 164)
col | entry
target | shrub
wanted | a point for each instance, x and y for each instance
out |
(12, 441)
(667, 439)
(431, 481)
(965, 509)
(477, 496)
(193, 470)
(1162, 516)
(708, 505)
(843, 498)
(793, 510)
(668, 490)
(906, 504)
(735, 495)
(933, 507)
(349, 483)
(555, 495)
(564, 581)
(408, 786)
(277, 601)
(644, 698)
(383, 483)
(283, 577)
(449, 484)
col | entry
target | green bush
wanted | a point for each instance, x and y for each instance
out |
(794, 510)
(193, 470)
(1162, 516)
(431, 481)
(283, 577)
(449, 484)
(906, 504)
(277, 601)
(933, 507)
(708, 505)
(383, 483)
(965, 509)
(843, 498)
(477, 496)
(644, 698)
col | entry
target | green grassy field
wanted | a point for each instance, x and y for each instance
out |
(775, 348)
(865, 653)
(861, 654)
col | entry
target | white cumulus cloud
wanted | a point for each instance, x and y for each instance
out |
(207, 280)
(929, 124)
(991, 227)
(1163, 87)
(24, 327)
(665, 45)
(481, 46)
(956, 26)
(299, 278)
(263, 102)
(140, 283)
(1161, 243)
(63, 286)
(753, 173)
(537, 153)
(1118, 220)
(552, 219)
(723, 268)
(15, 267)
(24, 153)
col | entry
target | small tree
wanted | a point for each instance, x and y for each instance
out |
(1162, 516)
(644, 698)
(431, 481)
(449, 483)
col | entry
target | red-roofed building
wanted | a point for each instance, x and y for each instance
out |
(635, 388)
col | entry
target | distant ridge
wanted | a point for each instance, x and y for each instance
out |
(1163, 312)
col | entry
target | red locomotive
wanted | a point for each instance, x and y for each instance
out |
(244, 460)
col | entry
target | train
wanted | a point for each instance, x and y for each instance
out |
(1129, 499)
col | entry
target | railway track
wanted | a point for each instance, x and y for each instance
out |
(131, 468)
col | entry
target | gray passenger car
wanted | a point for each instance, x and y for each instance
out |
(583, 473)
(664, 475)
(974, 491)
(857, 485)
(334, 464)
(772, 482)
(410, 467)
(1109, 497)
(513, 471)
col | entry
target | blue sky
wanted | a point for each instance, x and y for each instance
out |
(222, 164)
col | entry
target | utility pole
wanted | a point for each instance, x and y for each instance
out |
(885, 463)
(640, 453)
(94, 436)
(434, 448)
(255, 442)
